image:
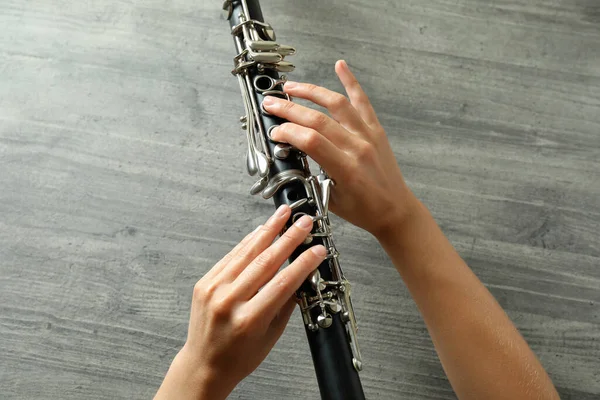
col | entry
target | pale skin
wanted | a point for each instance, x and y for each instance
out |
(481, 351)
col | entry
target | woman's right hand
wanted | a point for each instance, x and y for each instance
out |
(352, 148)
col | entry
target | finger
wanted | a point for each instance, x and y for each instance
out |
(256, 245)
(273, 296)
(357, 96)
(282, 318)
(319, 148)
(218, 267)
(266, 264)
(309, 118)
(275, 327)
(337, 104)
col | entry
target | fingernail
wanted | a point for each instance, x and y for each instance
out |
(281, 210)
(304, 222)
(275, 132)
(319, 250)
(268, 101)
(290, 85)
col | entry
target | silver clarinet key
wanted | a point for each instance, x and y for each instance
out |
(262, 45)
(334, 307)
(284, 66)
(265, 57)
(282, 151)
(324, 320)
(259, 186)
(265, 31)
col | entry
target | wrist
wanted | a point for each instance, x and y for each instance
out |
(211, 385)
(188, 378)
(398, 218)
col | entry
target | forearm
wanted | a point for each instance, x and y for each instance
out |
(184, 381)
(481, 351)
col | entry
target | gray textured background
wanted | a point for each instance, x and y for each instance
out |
(122, 181)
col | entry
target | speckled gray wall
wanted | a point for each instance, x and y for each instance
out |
(122, 181)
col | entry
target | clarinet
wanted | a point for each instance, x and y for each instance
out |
(284, 175)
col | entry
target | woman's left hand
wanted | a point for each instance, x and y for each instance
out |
(233, 325)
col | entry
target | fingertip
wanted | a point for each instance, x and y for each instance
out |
(288, 85)
(282, 211)
(338, 67)
(276, 133)
(269, 101)
(319, 250)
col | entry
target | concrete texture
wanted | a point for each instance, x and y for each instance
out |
(122, 182)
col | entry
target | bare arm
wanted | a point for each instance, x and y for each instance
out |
(481, 351)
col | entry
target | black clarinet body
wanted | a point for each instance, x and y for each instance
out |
(284, 175)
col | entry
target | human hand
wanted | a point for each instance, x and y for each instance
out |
(233, 325)
(352, 148)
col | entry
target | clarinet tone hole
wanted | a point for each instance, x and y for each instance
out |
(262, 109)
(297, 216)
(292, 195)
(270, 131)
(263, 82)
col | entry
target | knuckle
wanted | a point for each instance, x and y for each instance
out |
(378, 131)
(312, 140)
(287, 106)
(291, 236)
(365, 152)
(263, 260)
(354, 83)
(318, 120)
(281, 281)
(221, 307)
(242, 324)
(337, 101)
(240, 256)
(269, 228)
(204, 290)
(198, 290)
(310, 87)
